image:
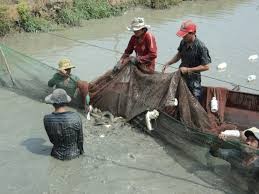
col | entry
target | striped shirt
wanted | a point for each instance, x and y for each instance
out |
(65, 132)
(194, 55)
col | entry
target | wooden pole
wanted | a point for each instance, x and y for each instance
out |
(7, 66)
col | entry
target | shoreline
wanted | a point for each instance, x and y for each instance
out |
(50, 15)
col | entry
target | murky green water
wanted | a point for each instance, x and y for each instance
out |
(119, 159)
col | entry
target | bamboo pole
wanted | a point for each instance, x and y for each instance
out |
(7, 66)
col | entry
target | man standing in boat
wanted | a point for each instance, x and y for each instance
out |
(144, 45)
(194, 57)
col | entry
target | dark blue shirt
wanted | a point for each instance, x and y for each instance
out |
(192, 56)
(65, 132)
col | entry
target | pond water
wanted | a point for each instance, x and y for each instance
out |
(120, 159)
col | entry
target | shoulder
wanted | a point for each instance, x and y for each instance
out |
(73, 115)
(47, 118)
(149, 35)
(133, 38)
(76, 78)
(57, 75)
(199, 43)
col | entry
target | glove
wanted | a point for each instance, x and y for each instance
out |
(87, 99)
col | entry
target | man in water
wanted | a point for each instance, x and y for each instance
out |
(194, 57)
(64, 128)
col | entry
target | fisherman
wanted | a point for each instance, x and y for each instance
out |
(69, 82)
(194, 57)
(144, 45)
(246, 161)
(64, 128)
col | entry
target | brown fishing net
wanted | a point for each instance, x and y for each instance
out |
(131, 92)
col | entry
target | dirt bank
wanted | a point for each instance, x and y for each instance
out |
(46, 15)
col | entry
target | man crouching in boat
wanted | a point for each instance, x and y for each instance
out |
(144, 45)
(246, 161)
(64, 128)
(69, 82)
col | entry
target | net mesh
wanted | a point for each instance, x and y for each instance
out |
(190, 128)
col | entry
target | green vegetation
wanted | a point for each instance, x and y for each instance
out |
(43, 15)
(157, 4)
(5, 23)
(28, 22)
(86, 9)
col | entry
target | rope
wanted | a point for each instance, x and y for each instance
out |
(118, 52)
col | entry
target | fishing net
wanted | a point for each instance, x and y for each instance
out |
(190, 128)
(27, 76)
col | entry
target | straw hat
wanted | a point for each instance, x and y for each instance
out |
(58, 96)
(65, 64)
(137, 24)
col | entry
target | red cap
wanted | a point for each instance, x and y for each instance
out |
(186, 27)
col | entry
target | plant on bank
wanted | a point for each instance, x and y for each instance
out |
(85, 10)
(28, 22)
(157, 4)
(5, 22)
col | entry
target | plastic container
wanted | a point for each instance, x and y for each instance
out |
(214, 105)
(253, 58)
(251, 78)
(222, 66)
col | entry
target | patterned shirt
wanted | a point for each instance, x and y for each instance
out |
(65, 132)
(193, 56)
(145, 49)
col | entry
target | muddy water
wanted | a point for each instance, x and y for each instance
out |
(119, 159)
(228, 27)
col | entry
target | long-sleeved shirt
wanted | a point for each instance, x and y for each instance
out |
(145, 49)
(65, 132)
(68, 84)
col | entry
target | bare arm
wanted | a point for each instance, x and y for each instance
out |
(196, 69)
(175, 59)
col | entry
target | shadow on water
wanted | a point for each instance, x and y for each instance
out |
(35, 145)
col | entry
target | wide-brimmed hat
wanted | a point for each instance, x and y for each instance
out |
(252, 130)
(186, 27)
(137, 24)
(65, 64)
(58, 96)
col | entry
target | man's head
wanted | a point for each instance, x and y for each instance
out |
(138, 26)
(187, 31)
(252, 137)
(65, 64)
(58, 98)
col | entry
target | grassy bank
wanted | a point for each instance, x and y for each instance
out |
(46, 15)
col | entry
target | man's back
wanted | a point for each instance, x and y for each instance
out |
(65, 133)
